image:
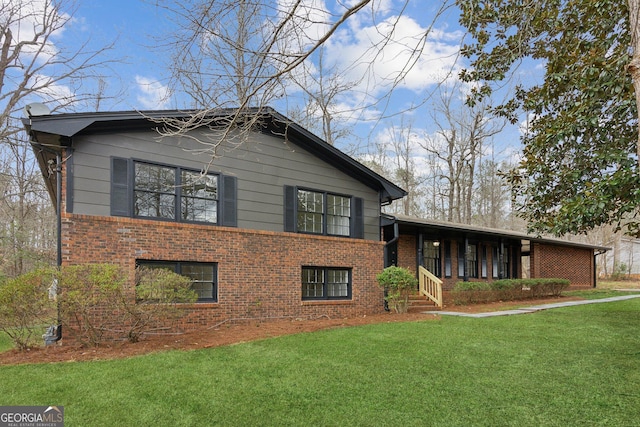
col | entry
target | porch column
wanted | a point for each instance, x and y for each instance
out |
(466, 257)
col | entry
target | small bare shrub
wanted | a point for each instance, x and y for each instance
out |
(158, 294)
(25, 307)
(88, 294)
(97, 304)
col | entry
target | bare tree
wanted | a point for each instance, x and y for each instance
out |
(322, 88)
(239, 56)
(491, 197)
(459, 144)
(35, 66)
(403, 142)
(27, 235)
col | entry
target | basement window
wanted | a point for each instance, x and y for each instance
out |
(326, 283)
(204, 276)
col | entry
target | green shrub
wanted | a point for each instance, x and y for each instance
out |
(25, 307)
(506, 290)
(471, 286)
(620, 271)
(399, 283)
(472, 293)
(547, 287)
(88, 294)
(157, 295)
(506, 284)
(97, 304)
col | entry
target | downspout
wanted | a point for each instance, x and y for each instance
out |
(595, 265)
(55, 332)
(58, 335)
(59, 207)
(396, 237)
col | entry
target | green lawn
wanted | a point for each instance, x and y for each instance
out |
(5, 342)
(577, 366)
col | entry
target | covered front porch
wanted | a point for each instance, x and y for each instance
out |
(451, 252)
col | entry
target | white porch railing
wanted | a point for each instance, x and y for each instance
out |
(430, 286)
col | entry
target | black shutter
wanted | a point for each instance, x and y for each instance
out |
(229, 198)
(357, 222)
(290, 202)
(121, 193)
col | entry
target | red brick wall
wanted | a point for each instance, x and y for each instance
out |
(565, 262)
(407, 247)
(259, 272)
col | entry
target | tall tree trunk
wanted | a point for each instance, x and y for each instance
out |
(634, 65)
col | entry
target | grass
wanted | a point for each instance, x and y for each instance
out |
(619, 284)
(563, 367)
(606, 289)
(5, 342)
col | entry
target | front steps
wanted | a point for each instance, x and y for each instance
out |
(419, 303)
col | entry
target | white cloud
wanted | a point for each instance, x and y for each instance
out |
(152, 94)
(310, 23)
(25, 19)
(397, 52)
(48, 90)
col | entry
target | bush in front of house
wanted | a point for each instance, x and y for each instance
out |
(472, 293)
(158, 294)
(25, 307)
(547, 287)
(96, 303)
(507, 290)
(87, 296)
(399, 282)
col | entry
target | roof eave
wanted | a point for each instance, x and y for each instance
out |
(401, 219)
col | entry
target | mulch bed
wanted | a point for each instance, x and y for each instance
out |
(230, 333)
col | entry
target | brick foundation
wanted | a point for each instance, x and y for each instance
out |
(259, 272)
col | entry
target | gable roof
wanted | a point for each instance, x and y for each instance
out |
(478, 231)
(57, 130)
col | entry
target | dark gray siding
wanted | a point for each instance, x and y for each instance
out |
(263, 166)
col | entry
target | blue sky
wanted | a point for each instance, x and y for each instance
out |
(139, 76)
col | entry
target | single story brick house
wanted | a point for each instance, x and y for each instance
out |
(461, 252)
(283, 225)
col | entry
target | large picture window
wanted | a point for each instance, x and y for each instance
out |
(147, 190)
(326, 283)
(203, 276)
(159, 190)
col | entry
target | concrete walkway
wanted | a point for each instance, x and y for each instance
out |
(533, 309)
